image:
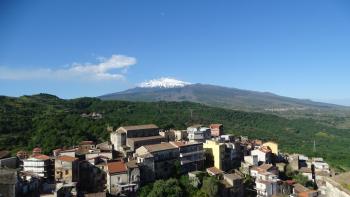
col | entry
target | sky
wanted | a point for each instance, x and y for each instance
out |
(294, 48)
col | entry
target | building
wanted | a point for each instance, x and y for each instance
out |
(256, 170)
(191, 156)
(120, 179)
(66, 169)
(92, 178)
(169, 135)
(180, 135)
(267, 185)
(215, 153)
(264, 154)
(39, 165)
(198, 133)
(273, 146)
(232, 185)
(8, 181)
(127, 139)
(216, 130)
(157, 161)
(301, 191)
(213, 171)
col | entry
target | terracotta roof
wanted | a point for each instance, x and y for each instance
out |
(159, 147)
(66, 158)
(116, 167)
(140, 127)
(183, 143)
(263, 168)
(215, 125)
(214, 171)
(265, 149)
(41, 156)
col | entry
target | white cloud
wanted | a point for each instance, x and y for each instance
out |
(113, 68)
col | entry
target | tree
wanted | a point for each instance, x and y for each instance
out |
(162, 188)
(210, 186)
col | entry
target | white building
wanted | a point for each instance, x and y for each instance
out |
(39, 165)
(121, 178)
(264, 154)
(266, 184)
(197, 133)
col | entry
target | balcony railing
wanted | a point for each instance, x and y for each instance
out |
(191, 153)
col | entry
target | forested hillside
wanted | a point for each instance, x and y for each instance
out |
(47, 121)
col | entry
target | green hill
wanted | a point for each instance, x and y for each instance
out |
(47, 121)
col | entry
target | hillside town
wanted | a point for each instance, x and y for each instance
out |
(137, 155)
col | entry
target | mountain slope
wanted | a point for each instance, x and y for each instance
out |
(218, 96)
(47, 121)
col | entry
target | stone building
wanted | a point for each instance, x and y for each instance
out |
(127, 139)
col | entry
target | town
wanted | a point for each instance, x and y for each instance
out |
(140, 154)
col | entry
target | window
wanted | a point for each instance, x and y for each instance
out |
(66, 172)
(118, 178)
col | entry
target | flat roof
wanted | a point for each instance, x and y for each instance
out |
(140, 127)
(159, 147)
(138, 139)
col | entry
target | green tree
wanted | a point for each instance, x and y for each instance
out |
(210, 186)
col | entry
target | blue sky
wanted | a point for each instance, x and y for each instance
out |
(293, 48)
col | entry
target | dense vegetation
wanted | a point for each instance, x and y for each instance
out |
(47, 121)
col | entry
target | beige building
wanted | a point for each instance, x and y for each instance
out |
(66, 169)
(273, 146)
(122, 177)
(127, 139)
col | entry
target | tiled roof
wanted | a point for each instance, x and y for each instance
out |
(140, 127)
(66, 158)
(159, 147)
(214, 171)
(262, 168)
(265, 149)
(182, 143)
(116, 167)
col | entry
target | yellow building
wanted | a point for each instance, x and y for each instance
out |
(273, 146)
(217, 150)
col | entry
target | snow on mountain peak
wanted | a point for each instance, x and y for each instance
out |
(163, 83)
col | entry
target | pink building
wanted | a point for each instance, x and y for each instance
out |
(216, 130)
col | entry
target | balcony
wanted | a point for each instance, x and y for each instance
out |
(192, 153)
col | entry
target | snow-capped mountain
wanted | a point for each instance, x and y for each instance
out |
(163, 83)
